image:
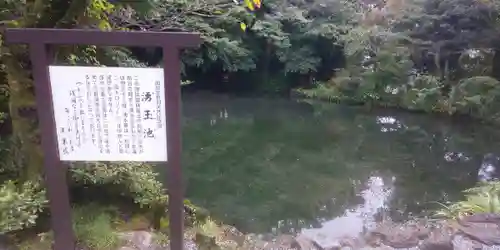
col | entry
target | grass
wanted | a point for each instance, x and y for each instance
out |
(94, 229)
(208, 228)
(93, 226)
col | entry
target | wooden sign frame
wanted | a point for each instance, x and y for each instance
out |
(39, 42)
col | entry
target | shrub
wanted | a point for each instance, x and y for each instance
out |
(135, 180)
(20, 205)
(476, 96)
(485, 198)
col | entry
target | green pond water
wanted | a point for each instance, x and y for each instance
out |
(277, 165)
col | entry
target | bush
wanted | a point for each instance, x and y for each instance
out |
(423, 93)
(476, 96)
(135, 180)
(19, 206)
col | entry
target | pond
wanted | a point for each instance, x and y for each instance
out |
(278, 166)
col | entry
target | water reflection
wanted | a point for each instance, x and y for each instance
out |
(358, 219)
(282, 166)
(389, 124)
(455, 156)
(223, 115)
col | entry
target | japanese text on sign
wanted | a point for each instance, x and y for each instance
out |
(109, 114)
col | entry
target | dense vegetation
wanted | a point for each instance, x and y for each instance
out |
(430, 55)
(423, 55)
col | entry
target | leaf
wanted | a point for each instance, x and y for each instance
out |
(243, 26)
(249, 5)
(104, 25)
(257, 3)
(474, 99)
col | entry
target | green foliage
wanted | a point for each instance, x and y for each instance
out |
(93, 227)
(476, 96)
(280, 38)
(135, 180)
(322, 92)
(485, 198)
(424, 93)
(20, 205)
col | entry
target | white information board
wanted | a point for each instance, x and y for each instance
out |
(109, 113)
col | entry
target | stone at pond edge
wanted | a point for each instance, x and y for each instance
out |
(301, 243)
(143, 240)
(231, 234)
(398, 235)
(281, 242)
(463, 243)
(484, 228)
(205, 242)
(439, 239)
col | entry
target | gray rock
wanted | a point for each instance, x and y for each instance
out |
(301, 242)
(462, 243)
(483, 228)
(143, 240)
(254, 242)
(332, 233)
(399, 235)
(281, 242)
(439, 239)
